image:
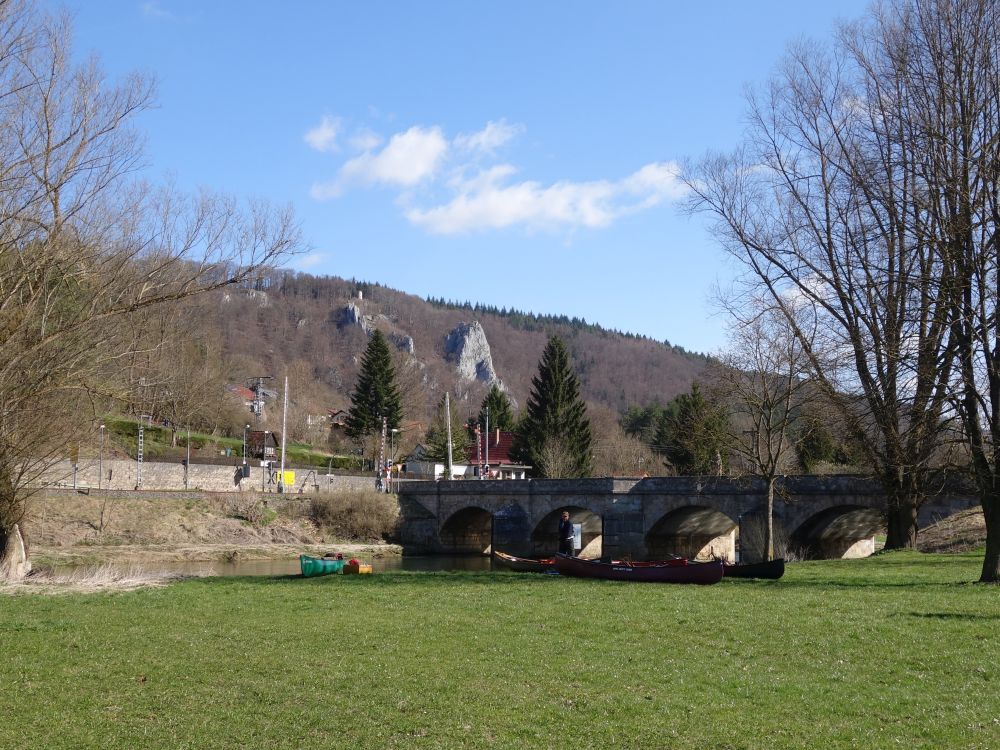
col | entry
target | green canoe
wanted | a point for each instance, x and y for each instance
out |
(319, 566)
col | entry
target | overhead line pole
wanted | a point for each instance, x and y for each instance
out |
(284, 420)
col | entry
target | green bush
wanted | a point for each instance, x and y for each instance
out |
(320, 461)
(346, 462)
(364, 515)
(251, 508)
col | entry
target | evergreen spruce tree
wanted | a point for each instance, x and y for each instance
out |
(501, 416)
(691, 434)
(376, 394)
(554, 436)
(816, 443)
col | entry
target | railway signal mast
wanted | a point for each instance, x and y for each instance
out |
(256, 385)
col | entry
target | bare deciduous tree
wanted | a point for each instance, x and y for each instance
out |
(556, 460)
(951, 78)
(824, 206)
(763, 378)
(83, 246)
(615, 452)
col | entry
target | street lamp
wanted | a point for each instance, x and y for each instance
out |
(100, 459)
(245, 444)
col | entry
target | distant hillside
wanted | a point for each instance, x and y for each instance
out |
(315, 328)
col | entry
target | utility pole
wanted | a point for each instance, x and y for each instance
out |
(487, 440)
(284, 422)
(447, 421)
(100, 460)
(256, 384)
(187, 460)
(265, 465)
(380, 471)
(138, 455)
(479, 450)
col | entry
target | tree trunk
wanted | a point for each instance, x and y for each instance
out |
(901, 519)
(14, 562)
(991, 562)
(769, 533)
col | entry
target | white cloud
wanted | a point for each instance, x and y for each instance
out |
(324, 191)
(449, 186)
(657, 181)
(310, 260)
(484, 202)
(324, 136)
(406, 160)
(152, 9)
(365, 140)
(490, 138)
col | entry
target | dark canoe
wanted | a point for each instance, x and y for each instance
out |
(319, 566)
(772, 570)
(523, 564)
(669, 571)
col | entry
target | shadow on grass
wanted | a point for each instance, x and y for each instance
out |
(439, 579)
(821, 583)
(973, 616)
(389, 578)
(490, 578)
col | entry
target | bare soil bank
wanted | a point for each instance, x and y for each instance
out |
(66, 528)
(962, 532)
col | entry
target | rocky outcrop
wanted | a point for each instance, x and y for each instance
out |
(351, 315)
(260, 296)
(402, 342)
(468, 348)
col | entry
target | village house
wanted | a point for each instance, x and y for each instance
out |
(493, 452)
(264, 445)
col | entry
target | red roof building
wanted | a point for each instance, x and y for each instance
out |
(242, 392)
(495, 447)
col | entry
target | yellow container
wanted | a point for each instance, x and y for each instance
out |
(360, 568)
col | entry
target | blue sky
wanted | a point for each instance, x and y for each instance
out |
(520, 154)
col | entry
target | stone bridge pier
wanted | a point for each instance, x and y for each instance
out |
(649, 518)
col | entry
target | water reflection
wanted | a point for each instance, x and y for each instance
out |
(291, 566)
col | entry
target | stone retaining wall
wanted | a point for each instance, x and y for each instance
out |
(121, 474)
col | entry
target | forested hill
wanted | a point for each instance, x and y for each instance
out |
(316, 328)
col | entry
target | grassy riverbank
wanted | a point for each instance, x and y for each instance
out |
(898, 650)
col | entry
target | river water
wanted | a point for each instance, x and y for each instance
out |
(291, 566)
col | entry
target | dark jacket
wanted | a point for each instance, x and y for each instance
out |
(565, 529)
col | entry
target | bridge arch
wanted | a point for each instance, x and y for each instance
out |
(838, 531)
(692, 531)
(468, 530)
(545, 539)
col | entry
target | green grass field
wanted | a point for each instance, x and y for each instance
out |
(895, 651)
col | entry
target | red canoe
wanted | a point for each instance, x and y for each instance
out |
(523, 564)
(670, 571)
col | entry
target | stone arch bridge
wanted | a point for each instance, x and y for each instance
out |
(814, 516)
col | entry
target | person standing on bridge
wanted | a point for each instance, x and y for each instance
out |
(565, 535)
